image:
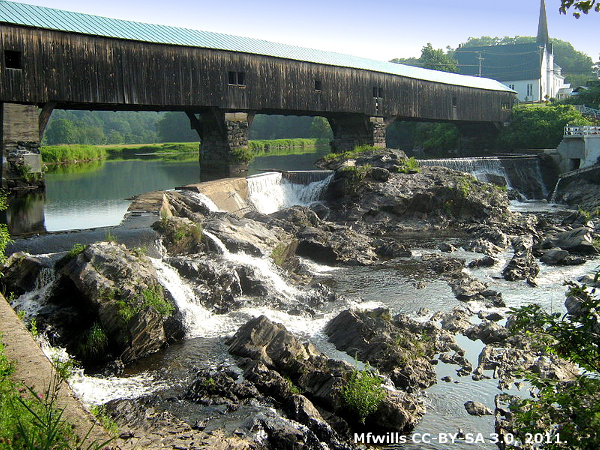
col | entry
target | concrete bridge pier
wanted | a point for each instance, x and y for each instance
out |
(224, 140)
(351, 130)
(21, 165)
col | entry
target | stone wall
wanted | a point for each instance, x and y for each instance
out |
(20, 140)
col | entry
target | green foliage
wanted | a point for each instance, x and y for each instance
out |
(241, 155)
(175, 127)
(33, 327)
(436, 136)
(571, 409)
(76, 250)
(350, 154)
(410, 165)
(155, 297)
(579, 6)
(269, 127)
(110, 237)
(465, 185)
(431, 58)
(94, 342)
(538, 126)
(363, 393)
(32, 420)
(63, 154)
(268, 146)
(103, 416)
(4, 234)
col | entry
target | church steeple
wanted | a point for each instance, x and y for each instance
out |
(542, 37)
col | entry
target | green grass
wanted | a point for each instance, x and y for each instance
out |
(350, 154)
(363, 393)
(30, 419)
(66, 154)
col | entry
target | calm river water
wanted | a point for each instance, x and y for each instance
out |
(98, 194)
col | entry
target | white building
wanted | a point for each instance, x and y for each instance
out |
(529, 69)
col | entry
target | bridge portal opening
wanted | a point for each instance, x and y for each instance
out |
(574, 163)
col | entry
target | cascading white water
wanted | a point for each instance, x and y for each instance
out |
(270, 192)
(523, 175)
(204, 200)
(264, 267)
(197, 320)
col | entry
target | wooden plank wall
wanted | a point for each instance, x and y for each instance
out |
(88, 72)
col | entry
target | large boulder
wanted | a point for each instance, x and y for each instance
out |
(390, 345)
(580, 240)
(121, 309)
(319, 378)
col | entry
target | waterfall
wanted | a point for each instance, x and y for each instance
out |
(197, 320)
(272, 191)
(264, 267)
(522, 174)
(204, 200)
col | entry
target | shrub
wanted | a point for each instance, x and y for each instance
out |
(363, 393)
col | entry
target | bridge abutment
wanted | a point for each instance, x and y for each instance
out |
(351, 130)
(20, 141)
(224, 141)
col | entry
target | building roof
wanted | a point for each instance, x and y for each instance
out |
(501, 62)
(59, 20)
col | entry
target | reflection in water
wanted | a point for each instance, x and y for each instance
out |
(25, 214)
(98, 194)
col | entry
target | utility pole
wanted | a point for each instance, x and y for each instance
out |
(480, 59)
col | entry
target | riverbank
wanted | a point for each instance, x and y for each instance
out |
(75, 153)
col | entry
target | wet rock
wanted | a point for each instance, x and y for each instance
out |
(488, 332)
(478, 409)
(486, 261)
(20, 273)
(245, 235)
(578, 240)
(455, 321)
(181, 236)
(342, 245)
(522, 266)
(320, 379)
(443, 264)
(380, 174)
(119, 300)
(390, 248)
(554, 256)
(446, 248)
(482, 246)
(395, 350)
(466, 287)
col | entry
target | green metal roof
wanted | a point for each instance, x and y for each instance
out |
(56, 19)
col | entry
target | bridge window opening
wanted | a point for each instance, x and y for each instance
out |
(454, 102)
(377, 92)
(12, 59)
(318, 85)
(237, 78)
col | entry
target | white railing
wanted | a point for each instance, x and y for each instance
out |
(586, 110)
(580, 131)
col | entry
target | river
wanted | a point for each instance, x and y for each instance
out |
(98, 198)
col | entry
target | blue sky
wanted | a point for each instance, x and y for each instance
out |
(374, 29)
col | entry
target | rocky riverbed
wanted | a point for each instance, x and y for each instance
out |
(111, 306)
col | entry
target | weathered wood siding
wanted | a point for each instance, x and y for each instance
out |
(81, 71)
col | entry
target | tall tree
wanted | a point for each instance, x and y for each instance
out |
(431, 58)
(584, 6)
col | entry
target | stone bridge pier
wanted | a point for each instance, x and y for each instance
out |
(224, 140)
(351, 130)
(20, 137)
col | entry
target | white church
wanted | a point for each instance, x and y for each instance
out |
(528, 69)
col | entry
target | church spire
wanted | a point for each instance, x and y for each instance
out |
(542, 37)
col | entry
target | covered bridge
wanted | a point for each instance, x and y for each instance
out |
(60, 59)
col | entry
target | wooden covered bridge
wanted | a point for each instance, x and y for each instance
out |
(59, 59)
